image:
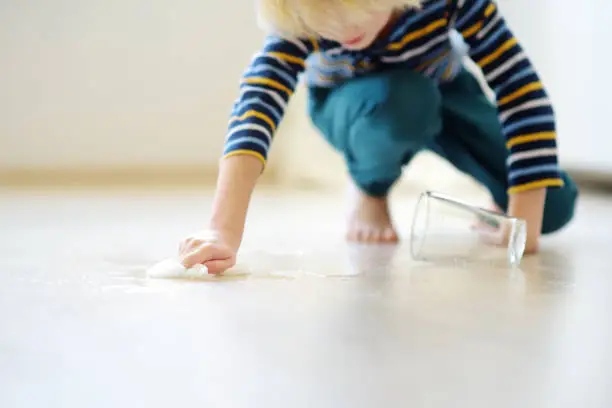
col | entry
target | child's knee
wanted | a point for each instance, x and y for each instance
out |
(375, 121)
(560, 206)
(400, 106)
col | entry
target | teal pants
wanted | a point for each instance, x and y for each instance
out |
(380, 122)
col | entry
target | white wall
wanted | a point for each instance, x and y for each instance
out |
(119, 82)
(150, 82)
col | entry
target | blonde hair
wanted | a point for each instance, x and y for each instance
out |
(284, 17)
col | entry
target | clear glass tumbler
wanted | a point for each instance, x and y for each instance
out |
(448, 230)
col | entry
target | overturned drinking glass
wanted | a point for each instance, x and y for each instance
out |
(445, 230)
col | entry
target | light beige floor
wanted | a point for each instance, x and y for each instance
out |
(310, 322)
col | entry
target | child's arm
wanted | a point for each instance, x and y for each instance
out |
(265, 90)
(529, 205)
(525, 110)
(216, 247)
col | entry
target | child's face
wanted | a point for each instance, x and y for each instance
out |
(354, 33)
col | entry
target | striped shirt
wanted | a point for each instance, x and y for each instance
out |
(420, 40)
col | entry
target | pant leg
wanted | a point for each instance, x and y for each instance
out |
(376, 122)
(473, 141)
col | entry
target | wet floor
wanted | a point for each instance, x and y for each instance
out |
(303, 320)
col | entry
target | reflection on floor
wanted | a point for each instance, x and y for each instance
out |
(303, 320)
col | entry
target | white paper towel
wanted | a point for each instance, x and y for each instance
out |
(172, 268)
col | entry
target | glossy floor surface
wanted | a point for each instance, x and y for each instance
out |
(303, 321)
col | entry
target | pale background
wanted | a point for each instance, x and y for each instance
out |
(104, 91)
(147, 85)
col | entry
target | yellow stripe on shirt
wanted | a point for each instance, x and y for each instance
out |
(256, 114)
(534, 86)
(497, 53)
(287, 58)
(550, 182)
(432, 61)
(247, 153)
(530, 138)
(270, 82)
(417, 34)
(478, 26)
(472, 30)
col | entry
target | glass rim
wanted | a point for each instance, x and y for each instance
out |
(517, 223)
(464, 204)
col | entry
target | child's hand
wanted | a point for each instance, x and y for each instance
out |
(529, 205)
(498, 235)
(210, 249)
(216, 248)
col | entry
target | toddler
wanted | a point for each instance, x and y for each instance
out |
(386, 80)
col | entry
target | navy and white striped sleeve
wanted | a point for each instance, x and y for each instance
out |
(525, 110)
(266, 88)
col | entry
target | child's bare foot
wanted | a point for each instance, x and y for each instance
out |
(370, 221)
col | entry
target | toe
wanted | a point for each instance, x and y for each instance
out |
(367, 234)
(371, 234)
(389, 235)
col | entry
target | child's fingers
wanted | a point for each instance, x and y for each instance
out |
(198, 255)
(219, 265)
(193, 258)
(494, 236)
(206, 253)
